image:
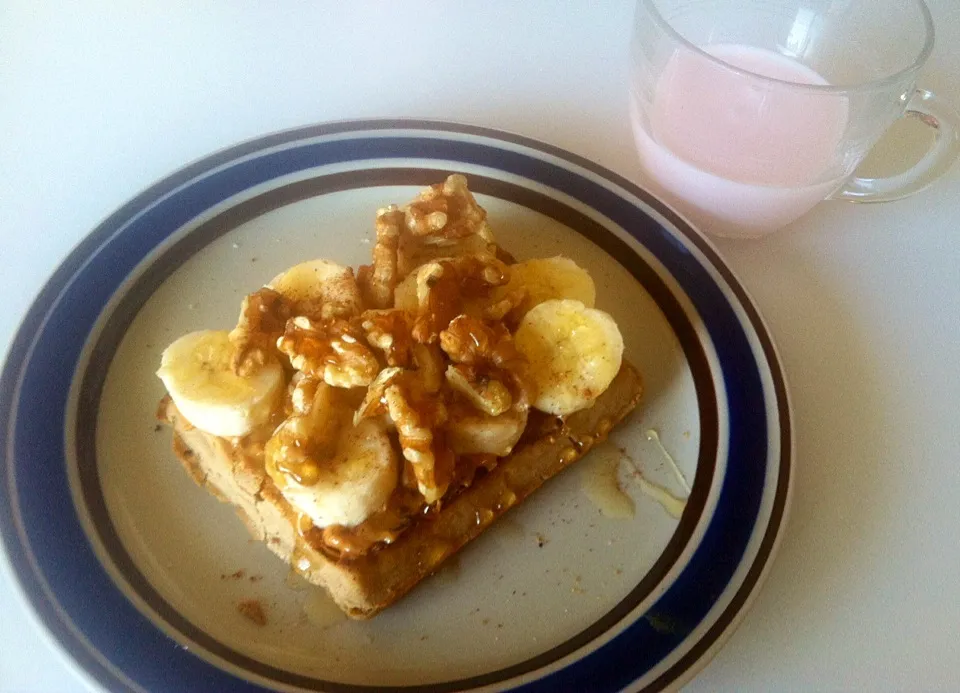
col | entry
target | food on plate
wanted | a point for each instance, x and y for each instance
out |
(368, 425)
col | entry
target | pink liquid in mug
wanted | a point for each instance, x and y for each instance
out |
(740, 159)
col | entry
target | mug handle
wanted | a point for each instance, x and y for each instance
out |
(934, 113)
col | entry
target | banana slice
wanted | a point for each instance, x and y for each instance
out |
(474, 432)
(352, 485)
(574, 354)
(197, 371)
(552, 278)
(321, 281)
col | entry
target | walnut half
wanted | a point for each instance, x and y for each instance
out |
(331, 349)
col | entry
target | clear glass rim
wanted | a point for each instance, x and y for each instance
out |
(879, 83)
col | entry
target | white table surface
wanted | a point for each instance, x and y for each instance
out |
(100, 99)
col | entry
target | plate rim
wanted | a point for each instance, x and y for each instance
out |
(82, 250)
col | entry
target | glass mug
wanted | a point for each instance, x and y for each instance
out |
(747, 113)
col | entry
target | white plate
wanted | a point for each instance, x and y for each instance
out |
(138, 573)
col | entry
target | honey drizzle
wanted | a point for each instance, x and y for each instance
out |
(653, 436)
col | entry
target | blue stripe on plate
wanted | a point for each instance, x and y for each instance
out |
(114, 626)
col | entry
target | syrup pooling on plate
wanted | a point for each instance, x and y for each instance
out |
(601, 481)
(320, 610)
(653, 435)
(673, 505)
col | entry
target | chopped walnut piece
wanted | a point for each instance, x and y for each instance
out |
(418, 420)
(430, 366)
(471, 341)
(443, 221)
(446, 209)
(490, 350)
(331, 349)
(377, 281)
(374, 403)
(443, 287)
(263, 315)
(507, 308)
(419, 417)
(302, 392)
(437, 298)
(389, 331)
(415, 251)
(487, 394)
